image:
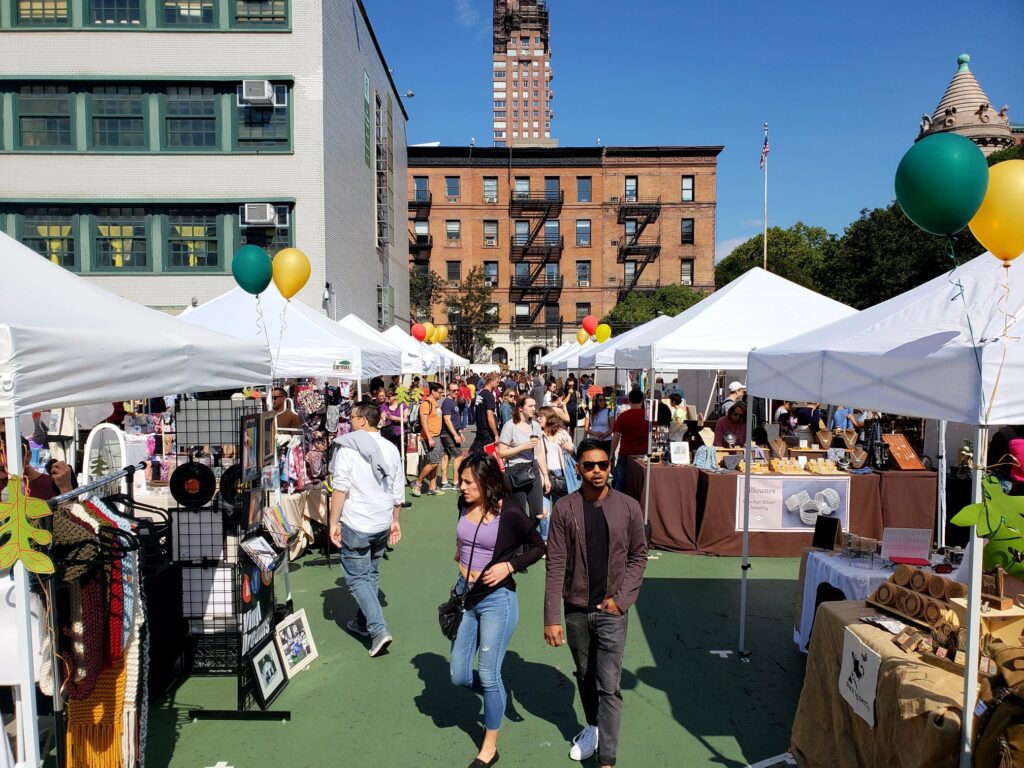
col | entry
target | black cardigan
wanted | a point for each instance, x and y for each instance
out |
(518, 543)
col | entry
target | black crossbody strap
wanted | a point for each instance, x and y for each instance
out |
(472, 549)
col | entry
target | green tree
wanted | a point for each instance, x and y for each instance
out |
(638, 308)
(1010, 153)
(426, 288)
(473, 316)
(797, 254)
(883, 254)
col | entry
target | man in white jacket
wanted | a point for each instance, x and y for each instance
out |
(369, 488)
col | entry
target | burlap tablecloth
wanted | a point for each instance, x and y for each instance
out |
(673, 508)
(917, 705)
(301, 510)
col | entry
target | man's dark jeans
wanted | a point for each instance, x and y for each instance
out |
(596, 641)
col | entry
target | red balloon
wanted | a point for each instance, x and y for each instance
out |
(419, 332)
(590, 324)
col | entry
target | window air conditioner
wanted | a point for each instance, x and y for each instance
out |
(259, 92)
(615, 199)
(490, 198)
(453, 283)
(615, 243)
(491, 242)
(259, 215)
(453, 198)
(583, 283)
(686, 281)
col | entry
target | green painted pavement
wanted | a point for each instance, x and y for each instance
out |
(683, 706)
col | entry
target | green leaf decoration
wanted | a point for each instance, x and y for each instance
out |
(1000, 519)
(16, 515)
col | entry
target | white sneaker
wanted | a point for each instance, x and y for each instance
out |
(379, 643)
(585, 743)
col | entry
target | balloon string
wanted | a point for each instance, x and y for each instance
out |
(261, 324)
(1009, 320)
(961, 294)
(284, 324)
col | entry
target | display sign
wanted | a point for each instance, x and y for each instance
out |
(256, 602)
(679, 452)
(792, 504)
(858, 676)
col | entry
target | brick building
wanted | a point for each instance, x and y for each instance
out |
(561, 232)
(521, 74)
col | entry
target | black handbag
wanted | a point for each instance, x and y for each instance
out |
(521, 474)
(558, 485)
(450, 612)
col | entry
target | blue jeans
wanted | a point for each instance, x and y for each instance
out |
(360, 559)
(486, 626)
(620, 473)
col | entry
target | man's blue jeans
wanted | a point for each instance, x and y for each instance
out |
(360, 559)
(486, 627)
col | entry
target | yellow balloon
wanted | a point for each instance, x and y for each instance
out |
(429, 330)
(581, 336)
(291, 271)
(442, 333)
(999, 223)
(603, 333)
(435, 336)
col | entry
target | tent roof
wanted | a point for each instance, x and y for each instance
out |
(356, 325)
(65, 341)
(553, 354)
(303, 342)
(426, 359)
(754, 310)
(450, 357)
(603, 355)
(913, 354)
(569, 357)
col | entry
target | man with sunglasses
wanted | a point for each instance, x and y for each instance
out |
(285, 419)
(597, 553)
(451, 437)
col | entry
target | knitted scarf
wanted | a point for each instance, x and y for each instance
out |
(115, 594)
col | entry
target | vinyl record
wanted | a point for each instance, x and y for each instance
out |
(229, 480)
(193, 485)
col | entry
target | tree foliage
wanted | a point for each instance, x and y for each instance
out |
(426, 288)
(1010, 153)
(638, 307)
(472, 314)
(797, 254)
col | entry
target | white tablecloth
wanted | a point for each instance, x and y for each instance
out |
(854, 577)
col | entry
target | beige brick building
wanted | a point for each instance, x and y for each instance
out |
(561, 232)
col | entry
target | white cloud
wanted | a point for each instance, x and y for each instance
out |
(467, 14)
(725, 247)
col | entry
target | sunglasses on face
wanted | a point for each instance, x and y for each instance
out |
(590, 466)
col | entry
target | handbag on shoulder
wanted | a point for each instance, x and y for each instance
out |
(521, 475)
(450, 612)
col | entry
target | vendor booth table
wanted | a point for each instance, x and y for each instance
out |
(909, 498)
(673, 503)
(916, 708)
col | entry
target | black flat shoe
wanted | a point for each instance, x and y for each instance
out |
(478, 763)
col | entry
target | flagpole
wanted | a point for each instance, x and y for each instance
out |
(764, 237)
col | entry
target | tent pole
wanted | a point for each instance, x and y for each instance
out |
(973, 607)
(27, 716)
(745, 565)
(652, 420)
(941, 455)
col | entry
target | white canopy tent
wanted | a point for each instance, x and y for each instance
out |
(569, 357)
(603, 355)
(359, 327)
(449, 359)
(754, 310)
(66, 342)
(556, 353)
(302, 341)
(421, 355)
(943, 350)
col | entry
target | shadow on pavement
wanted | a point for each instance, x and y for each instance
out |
(448, 705)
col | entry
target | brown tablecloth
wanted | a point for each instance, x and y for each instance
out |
(716, 504)
(908, 499)
(917, 705)
(673, 507)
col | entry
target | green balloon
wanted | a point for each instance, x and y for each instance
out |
(941, 181)
(252, 268)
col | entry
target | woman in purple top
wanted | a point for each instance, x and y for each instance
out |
(493, 540)
(391, 415)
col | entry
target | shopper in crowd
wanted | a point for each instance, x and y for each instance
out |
(494, 540)
(677, 425)
(599, 422)
(571, 403)
(733, 423)
(285, 418)
(465, 401)
(737, 391)
(486, 420)
(841, 417)
(629, 437)
(451, 436)
(811, 415)
(557, 445)
(664, 416)
(526, 469)
(538, 387)
(368, 491)
(597, 553)
(507, 406)
(430, 438)
(391, 416)
(36, 484)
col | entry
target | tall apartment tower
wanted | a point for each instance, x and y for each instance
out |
(522, 74)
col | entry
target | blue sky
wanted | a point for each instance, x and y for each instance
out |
(842, 85)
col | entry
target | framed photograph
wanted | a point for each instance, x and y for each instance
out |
(255, 508)
(249, 442)
(268, 432)
(268, 672)
(295, 643)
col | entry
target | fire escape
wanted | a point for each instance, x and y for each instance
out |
(635, 248)
(538, 248)
(420, 242)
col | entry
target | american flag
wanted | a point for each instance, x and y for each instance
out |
(764, 150)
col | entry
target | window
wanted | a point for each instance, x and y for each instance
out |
(264, 126)
(499, 105)
(191, 121)
(687, 189)
(551, 232)
(500, 75)
(583, 189)
(188, 13)
(582, 274)
(421, 189)
(118, 116)
(115, 11)
(120, 239)
(453, 314)
(583, 232)
(491, 273)
(522, 274)
(44, 116)
(50, 232)
(552, 315)
(631, 189)
(270, 240)
(551, 274)
(629, 271)
(490, 189)
(454, 273)
(499, 135)
(490, 234)
(630, 230)
(453, 188)
(686, 272)
(522, 236)
(522, 186)
(422, 229)
(499, 113)
(453, 232)
(551, 187)
(524, 42)
(42, 12)
(192, 240)
(522, 315)
(582, 310)
(261, 12)
(686, 230)
(501, 143)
